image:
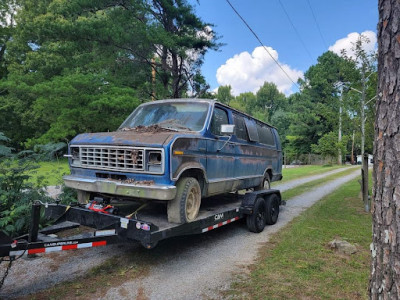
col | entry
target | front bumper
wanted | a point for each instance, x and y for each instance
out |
(136, 190)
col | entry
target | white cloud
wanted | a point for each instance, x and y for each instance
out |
(347, 43)
(247, 72)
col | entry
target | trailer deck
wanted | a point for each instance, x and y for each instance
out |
(147, 224)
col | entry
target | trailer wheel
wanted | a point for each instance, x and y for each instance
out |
(83, 197)
(272, 208)
(185, 207)
(265, 183)
(256, 221)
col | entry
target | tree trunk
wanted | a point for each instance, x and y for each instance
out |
(385, 248)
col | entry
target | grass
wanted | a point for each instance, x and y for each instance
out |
(301, 171)
(50, 172)
(297, 262)
(312, 184)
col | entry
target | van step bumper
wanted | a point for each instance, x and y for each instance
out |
(115, 187)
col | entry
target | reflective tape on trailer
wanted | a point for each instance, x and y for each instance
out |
(58, 248)
(220, 224)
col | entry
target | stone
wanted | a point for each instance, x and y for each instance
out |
(343, 247)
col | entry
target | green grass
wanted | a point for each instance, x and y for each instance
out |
(297, 262)
(296, 172)
(313, 184)
(51, 172)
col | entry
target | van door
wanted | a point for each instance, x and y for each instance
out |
(220, 155)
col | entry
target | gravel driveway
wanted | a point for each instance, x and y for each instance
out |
(186, 267)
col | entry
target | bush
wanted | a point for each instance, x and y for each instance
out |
(17, 191)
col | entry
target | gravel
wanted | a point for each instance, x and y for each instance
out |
(198, 266)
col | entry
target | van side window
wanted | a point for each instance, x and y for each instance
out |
(240, 127)
(252, 130)
(265, 134)
(220, 117)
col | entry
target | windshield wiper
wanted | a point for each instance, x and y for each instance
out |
(171, 122)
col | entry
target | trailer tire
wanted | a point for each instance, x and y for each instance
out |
(185, 207)
(272, 209)
(256, 221)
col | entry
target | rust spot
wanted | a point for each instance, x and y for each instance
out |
(385, 24)
(380, 166)
(380, 134)
(133, 181)
(398, 38)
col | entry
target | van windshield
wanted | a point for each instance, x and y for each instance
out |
(170, 115)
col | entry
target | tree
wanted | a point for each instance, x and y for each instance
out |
(224, 94)
(385, 247)
(180, 40)
(366, 85)
(8, 11)
(269, 100)
(77, 65)
(329, 146)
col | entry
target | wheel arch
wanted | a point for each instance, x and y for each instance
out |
(198, 174)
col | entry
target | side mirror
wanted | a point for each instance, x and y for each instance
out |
(227, 129)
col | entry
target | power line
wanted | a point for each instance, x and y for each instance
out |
(316, 22)
(295, 30)
(261, 43)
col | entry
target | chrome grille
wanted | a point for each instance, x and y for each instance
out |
(112, 158)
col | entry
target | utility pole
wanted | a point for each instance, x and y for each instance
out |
(340, 86)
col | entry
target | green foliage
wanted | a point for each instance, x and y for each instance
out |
(224, 94)
(328, 145)
(17, 194)
(77, 66)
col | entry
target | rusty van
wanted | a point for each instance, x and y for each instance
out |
(177, 152)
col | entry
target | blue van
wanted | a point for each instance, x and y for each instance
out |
(176, 151)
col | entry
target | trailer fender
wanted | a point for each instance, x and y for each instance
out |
(251, 197)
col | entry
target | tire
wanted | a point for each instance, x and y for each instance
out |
(256, 221)
(272, 209)
(265, 183)
(185, 207)
(83, 196)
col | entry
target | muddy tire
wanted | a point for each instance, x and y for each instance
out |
(265, 183)
(272, 206)
(185, 207)
(83, 197)
(256, 221)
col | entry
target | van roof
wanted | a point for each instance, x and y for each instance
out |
(211, 101)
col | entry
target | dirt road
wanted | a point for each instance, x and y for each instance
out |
(180, 268)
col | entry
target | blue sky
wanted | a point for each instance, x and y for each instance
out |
(336, 19)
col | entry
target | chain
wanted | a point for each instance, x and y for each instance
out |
(6, 272)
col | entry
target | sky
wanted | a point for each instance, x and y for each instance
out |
(290, 34)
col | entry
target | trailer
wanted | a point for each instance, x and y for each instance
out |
(100, 224)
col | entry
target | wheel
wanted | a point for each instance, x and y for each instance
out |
(272, 206)
(256, 221)
(265, 183)
(185, 207)
(83, 197)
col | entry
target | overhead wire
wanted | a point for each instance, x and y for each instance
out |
(295, 30)
(316, 23)
(261, 43)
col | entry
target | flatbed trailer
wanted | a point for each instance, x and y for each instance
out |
(145, 224)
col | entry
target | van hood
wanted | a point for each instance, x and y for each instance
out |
(126, 138)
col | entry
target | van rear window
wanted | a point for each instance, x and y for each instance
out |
(240, 127)
(266, 135)
(252, 130)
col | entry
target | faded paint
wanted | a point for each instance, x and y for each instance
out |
(228, 164)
